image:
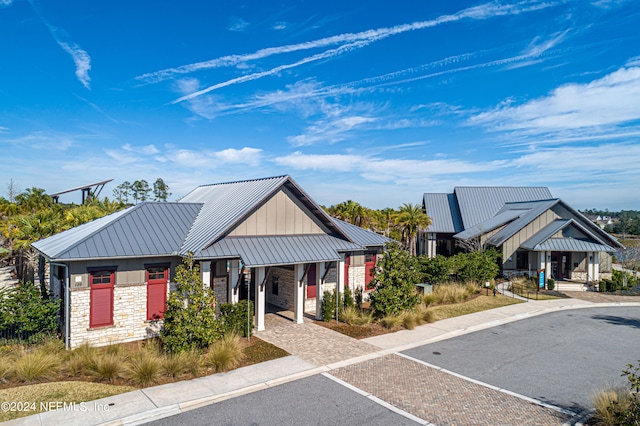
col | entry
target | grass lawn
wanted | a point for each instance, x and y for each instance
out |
(476, 304)
(47, 393)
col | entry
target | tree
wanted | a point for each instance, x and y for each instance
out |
(411, 219)
(140, 190)
(394, 281)
(160, 190)
(12, 191)
(190, 319)
(33, 199)
(122, 192)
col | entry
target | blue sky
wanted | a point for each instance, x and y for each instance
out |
(373, 101)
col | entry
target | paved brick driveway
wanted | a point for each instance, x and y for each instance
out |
(442, 398)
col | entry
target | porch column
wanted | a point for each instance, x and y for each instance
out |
(205, 274)
(260, 303)
(319, 288)
(298, 307)
(232, 291)
(340, 275)
(547, 266)
(596, 266)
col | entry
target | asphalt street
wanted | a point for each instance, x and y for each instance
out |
(314, 400)
(561, 358)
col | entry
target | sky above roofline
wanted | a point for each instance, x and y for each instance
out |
(356, 101)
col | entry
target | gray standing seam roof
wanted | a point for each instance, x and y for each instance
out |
(226, 204)
(530, 210)
(571, 245)
(279, 250)
(444, 212)
(479, 203)
(490, 224)
(361, 236)
(147, 229)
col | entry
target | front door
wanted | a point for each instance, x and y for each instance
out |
(311, 282)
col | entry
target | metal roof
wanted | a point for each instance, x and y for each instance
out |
(479, 203)
(360, 236)
(443, 211)
(490, 224)
(226, 204)
(279, 250)
(147, 229)
(528, 212)
(570, 244)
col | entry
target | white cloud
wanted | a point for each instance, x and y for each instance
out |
(6, 2)
(81, 59)
(238, 25)
(280, 25)
(145, 150)
(539, 45)
(360, 39)
(612, 100)
(246, 155)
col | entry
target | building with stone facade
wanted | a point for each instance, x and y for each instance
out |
(534, 232)
(264, 238)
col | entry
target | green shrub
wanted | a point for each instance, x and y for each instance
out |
(237, 318)
(551, 284)
(348, 301)
(35, 365)
(144, 368)
(23, 308)
(190, 319)
(394, 282)
(435, 269)
(328, 305)
(359, 297)
(478, 266)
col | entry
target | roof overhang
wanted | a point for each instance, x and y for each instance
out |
(279, 250)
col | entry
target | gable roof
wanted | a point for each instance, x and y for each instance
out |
(469, 206)
(228, 204)
(443, 211)
(147, 229)
(479, 203)
(515, 216)
(200, 223)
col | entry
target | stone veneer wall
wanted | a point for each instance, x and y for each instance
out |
(286, 288)
(129, 317)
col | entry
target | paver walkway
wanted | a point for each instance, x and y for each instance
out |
(442, 398)
(310, 342)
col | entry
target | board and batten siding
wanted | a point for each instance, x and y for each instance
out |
(510, 246)
(280, 215)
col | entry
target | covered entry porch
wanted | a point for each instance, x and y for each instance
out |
(290, 272)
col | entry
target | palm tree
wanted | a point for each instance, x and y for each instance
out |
(411, 219)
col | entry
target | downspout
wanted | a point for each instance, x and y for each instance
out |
(67, 325)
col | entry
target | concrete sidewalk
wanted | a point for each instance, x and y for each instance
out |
(153, 403)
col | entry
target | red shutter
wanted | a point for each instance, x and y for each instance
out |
(347, 259)
(157, 278)
(101, 305)
(369, 267)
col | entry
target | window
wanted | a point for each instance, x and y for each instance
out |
(101, 305)
(157, 277)
(522, 260)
